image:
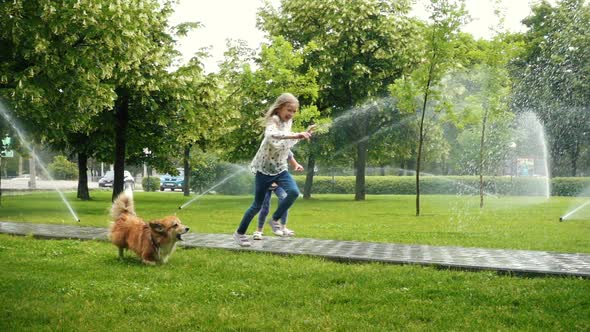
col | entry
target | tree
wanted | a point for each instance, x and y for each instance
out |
(48, 72)
(551, 78)
(69, 64)
(357, 47)
(493, 97)
(202, 116)
(253, 90)
(438, 58)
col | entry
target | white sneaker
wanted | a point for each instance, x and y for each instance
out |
(276, 228)
(257, 235)
(242, 240)
(288, 232)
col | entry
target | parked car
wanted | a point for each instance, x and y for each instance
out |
(24, 177)
(108, 179)
(172, 182)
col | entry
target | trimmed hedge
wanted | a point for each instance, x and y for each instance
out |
(243, 184)
(450, 185)
(570, 187)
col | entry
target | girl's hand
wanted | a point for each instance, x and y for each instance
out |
(299, 168)
(304, 135)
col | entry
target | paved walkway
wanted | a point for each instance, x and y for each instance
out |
(512, 261)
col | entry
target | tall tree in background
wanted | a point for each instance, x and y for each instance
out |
(69, 64)
(439, 35)
(357, 47)
(493, 97)
(201, 115)
(252, 90)
(551, 78)
(142, 50)
(48, 73)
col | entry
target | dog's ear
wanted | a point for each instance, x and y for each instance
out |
(157, 227)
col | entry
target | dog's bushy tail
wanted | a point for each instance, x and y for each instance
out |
(123, 205)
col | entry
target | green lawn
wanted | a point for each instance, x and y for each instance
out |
(77, 285)
(74, 285)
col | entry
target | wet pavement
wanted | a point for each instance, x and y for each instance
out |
(525, 262)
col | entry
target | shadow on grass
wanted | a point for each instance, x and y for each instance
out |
(130, 259)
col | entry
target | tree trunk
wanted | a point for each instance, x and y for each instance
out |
(309, 177)
(187, 170)
(420, 144)
(83, 193)
(361, 162)
(32, 171)
(121, 124)
(361, 159)
(418, 158)
(421, 136)
(555, 156)
(402, 169)
(481, 154)
(574, 156)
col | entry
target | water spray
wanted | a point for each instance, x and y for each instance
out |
(241, 170)
(563, 218)
(26, 144)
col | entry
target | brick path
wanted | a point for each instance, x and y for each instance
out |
(511, 261)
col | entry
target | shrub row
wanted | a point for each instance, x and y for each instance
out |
(440, 185)
(450, 185)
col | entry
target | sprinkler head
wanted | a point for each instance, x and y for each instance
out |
(180, 207)
(560, 219)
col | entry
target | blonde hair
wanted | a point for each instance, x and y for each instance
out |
(282, 100)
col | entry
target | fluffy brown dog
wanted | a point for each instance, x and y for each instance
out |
(154, 242)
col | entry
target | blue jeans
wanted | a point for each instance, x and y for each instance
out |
(281, 195)
(262, 183)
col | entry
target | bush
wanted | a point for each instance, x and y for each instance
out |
(237, 184)
(449, 185)
(570, 187)
(243, 184)
(63, 169)
(222, 177)
(152, 185)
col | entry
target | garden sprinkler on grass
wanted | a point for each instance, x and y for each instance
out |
(563, 218)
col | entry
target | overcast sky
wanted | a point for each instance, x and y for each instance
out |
(236, 19)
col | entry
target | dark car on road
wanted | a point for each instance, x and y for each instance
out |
(108, 179)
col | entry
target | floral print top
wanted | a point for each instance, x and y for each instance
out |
(271, 158)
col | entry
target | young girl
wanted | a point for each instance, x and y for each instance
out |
(270, 162)
(281, 194)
